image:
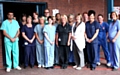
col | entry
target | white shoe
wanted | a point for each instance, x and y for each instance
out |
(75, 66)
(108, 64)
(39, 66)
(8, 70)
(18, 68)
(43, 66)
(78, 68)
(98, 63)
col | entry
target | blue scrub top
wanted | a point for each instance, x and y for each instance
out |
(39, 30)
(51, 34)
(29, 32)
(113, 29)
(10, 28)
(102, 31)
(91, 30)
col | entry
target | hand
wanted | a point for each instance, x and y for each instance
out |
(41, 42)
(57, 43)
(12, 39)
(73, 38)
(113, 40)
(89, 40)
(31, 41)
(108, 40)
(68, 44)
(51, 43)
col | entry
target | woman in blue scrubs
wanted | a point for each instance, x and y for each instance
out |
(114, 41)
(49, 41)
(29, 43)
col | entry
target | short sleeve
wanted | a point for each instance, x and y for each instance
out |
(3, 26)
(106, 27)
(118, 25)
(70, 29)
(97, 25)
(35, 29)
(57, 29)
(23, 29)
(45, 29)
(18, 26)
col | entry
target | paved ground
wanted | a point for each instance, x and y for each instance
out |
(100, 70)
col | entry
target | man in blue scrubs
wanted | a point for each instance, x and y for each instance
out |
(11, 32)
(91, 33)
(102, 40)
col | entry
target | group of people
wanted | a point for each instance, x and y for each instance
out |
(61, 39)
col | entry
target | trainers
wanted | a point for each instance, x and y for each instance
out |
(8, 70)
(75, 66)
(43, 66)
(78, 68)
(39, 66)
(98, 63)
(18, 68)
(108, 64)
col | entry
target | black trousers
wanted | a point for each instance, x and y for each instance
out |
(63, 55)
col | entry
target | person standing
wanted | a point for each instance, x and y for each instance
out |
(49, 42)
(71, 20)
(29, 43)
(63, 36)
(40, 54)
(11, 32)
(102, 40)
(35, 18)
(21, 40)
(78, 31)
(46, 14)
(91, 33)
(114, 41)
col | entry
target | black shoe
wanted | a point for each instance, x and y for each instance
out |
(114, 69)
(32, 66)
(47, 68)
(93, 68)
(52, 67)
(25, 67)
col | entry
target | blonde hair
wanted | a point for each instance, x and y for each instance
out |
(30, 17)
(64, 17)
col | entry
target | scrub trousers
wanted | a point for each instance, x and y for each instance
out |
(56, 54)
(40, 54)
(12, 47)
(92, 54)
(114, 54)
(64, 55)
(104, 45)
(29, 53)
(49, 55)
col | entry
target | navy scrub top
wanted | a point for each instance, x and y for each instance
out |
(29, 32)
(91, 30)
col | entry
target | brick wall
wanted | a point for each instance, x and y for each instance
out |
(117, 2)
(1, 60)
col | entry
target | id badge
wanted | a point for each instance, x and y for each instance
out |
(59, 39)
(26, 43)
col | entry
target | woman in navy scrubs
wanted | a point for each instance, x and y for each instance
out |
(91, 33)
(29, 43)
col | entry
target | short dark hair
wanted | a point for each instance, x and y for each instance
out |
(85, 13)
(50, 17)
(9, 11)
(91, 12)
(100, 15)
